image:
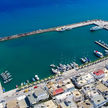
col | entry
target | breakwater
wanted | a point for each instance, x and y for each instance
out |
(71, 26)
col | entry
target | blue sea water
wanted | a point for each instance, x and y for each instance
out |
(32, 55)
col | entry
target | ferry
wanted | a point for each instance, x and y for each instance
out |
(96, 28)
(36, 76)
(98, 54)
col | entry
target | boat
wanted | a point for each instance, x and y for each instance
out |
(52, 65)
(83, 60)
(8, 80)
(33, 80)
(16, 86)
(106, 52)
(98, 54)
(72, 65)
(36, 76)
(55, 71)
(27, 81)
(96, 28)
(69, 66)
(88, 60)
(75, 64)
(22, 84)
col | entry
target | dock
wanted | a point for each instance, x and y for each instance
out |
(102, 45)
(96, 22)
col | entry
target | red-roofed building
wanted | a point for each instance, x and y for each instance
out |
(98, 74)
(58, 91)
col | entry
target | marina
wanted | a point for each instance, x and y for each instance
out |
(100, 23)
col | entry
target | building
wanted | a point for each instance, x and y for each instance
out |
(62, 97)
(58, 87)
(40, 94)
(68, 103)
(12, 104)
(50, 104)
(68, 85)
(85, 104)
(77, 96)
(30, 100)
(58, 91)
(98, 101)
(83, 79)
(21, 102)
(102, 89)
(105, 81)
(1, 105)
(98, 74)
(47, 104)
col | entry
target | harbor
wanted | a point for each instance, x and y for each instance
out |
(100, 23)
(49, 48)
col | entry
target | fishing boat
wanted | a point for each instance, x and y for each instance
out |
(98, 54)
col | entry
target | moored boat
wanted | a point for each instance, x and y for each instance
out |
(96, 28)
(36, 76)
(98, 54)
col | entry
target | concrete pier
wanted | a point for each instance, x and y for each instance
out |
(71, 26)
(102, 45)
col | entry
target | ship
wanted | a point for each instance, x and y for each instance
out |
(98, 54)
(96, 28)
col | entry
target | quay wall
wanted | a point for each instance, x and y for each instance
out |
(71, 26)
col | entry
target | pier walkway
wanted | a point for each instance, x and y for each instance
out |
(102, 45)
(102, 23)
